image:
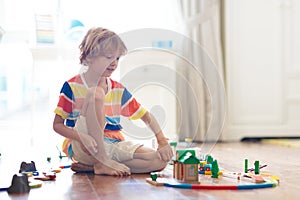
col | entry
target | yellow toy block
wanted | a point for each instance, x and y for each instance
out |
(207, 173)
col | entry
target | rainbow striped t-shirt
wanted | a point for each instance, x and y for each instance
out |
(118, 102)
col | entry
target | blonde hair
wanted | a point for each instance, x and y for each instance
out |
(97, 42)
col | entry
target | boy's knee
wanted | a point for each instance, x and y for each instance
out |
(97, 93)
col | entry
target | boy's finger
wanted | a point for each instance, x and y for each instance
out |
(159, 155)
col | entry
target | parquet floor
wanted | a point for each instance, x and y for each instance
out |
(281, 161)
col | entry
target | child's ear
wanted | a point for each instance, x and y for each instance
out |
(88, 61)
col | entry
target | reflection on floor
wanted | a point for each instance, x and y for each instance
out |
(281, 161)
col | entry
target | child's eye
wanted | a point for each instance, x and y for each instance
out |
(109, 57)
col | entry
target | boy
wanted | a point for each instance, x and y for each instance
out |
(89, 109)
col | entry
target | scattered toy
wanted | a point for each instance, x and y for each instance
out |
(19, 184)
(27, 167)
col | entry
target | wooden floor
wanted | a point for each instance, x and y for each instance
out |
(281, 161)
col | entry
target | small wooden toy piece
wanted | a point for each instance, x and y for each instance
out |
(201, 166)
(49, 176)
(209, 159)
(153, 179)
(56, 170)
(215, 169)
(35, 184)
(153, 176)
(188, 141)
(246, 166)
(258, 179)
(19, 184)
(207, 168)
(65, 166)
(270, 176)
(173, 146)
(155, 183)
(256, 165)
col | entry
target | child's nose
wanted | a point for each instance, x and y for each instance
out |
(114, 62)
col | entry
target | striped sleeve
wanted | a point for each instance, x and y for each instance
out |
(130, 107)
(66, 101)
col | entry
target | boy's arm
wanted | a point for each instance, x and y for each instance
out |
(164, 148)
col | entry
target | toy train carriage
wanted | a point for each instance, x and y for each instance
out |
(205, 168)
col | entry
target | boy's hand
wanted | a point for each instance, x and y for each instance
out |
(165, 152)
(164, 149)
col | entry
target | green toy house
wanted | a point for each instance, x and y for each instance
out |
(179, 154)
(188, 168)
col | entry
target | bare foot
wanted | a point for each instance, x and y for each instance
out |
(79, 167)
(118, 169)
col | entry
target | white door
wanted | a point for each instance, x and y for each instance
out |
(262, 68)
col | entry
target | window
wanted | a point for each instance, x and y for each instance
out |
(40, 79)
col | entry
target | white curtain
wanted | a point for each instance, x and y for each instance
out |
(201, 93)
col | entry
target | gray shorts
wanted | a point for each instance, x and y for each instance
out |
(118, 151)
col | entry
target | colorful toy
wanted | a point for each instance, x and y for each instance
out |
(188, 164)
(218, 180)
(207, 169)
(177, 171)
(185, 167)
(49, 176)
(65, 166)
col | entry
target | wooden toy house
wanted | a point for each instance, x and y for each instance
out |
(186, 167)
(176, 166)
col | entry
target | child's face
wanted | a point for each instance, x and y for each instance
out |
(104, 65)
